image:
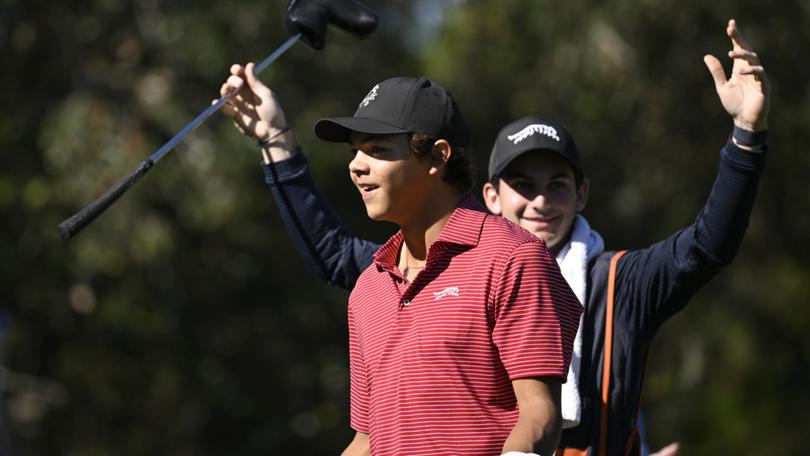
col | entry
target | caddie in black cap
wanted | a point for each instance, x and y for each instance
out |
(401, 105)
(536, 179)
(533, 134)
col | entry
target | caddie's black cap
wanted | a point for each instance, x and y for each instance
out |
(532, 133)
(401, 105)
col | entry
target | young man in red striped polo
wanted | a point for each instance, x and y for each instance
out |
(461, 329)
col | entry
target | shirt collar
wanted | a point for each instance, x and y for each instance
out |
(463, 228)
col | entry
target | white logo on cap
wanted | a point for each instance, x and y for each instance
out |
(371, 96)
(551, 132)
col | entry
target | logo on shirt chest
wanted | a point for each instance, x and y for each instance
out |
(449, 291)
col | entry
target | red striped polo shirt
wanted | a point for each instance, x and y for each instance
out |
(432, 361)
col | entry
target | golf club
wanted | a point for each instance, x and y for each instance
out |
(79, 220)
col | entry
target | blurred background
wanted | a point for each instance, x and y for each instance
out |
(182, 321)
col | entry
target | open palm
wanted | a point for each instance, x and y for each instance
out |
(745, 94)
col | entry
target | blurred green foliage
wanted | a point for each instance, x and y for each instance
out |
(183, 322)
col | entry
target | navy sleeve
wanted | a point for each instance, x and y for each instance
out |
(658, 281)
(328, 249)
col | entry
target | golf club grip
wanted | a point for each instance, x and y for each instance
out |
(79, 220)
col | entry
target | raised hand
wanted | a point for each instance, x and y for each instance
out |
(254, 109)
(256, 112)
(745, 94)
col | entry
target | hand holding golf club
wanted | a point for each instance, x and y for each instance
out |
(256, 112)
(75, 223)
(305, 19)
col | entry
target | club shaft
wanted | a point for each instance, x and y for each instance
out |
(158, 154)
(79, 220)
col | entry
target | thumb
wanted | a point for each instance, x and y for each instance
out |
(255, 84)
(716, 70)
(250, 75)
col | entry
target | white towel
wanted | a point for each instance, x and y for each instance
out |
(585, 244)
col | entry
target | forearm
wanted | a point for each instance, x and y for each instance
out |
(667, 274)
(721, 225)
(528, 436)
(745, 97)
(328, 249)
(537, 432)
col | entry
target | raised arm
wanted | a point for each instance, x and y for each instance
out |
(662, 278)
(328, 249)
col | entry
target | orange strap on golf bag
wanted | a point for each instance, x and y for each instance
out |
(603, 415)
(608, 357)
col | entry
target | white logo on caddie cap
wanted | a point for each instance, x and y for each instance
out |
(551, 132)
(371, 96)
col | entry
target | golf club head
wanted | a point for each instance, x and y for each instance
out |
(310, 18)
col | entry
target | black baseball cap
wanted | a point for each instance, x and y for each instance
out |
(533, 133)
(401, 105)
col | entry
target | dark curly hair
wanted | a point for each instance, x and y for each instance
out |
(459, 171)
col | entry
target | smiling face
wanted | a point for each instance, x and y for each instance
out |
(393, 183)
(538, 191)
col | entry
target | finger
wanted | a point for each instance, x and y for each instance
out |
(229, 111)
(237, 69)
(255, 84)
(236, 99)
(229, 108)
(716, 70)
(236, 81)
(250, 73)
(241, 105)
(226, 88)
(243, 91)
(749, 56)
(757, 70)
(240, 119)
(235, 102)
(238, 124)
(736, 36)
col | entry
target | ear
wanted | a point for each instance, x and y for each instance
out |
(582, 194)
(491, 198)
(440, 155)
